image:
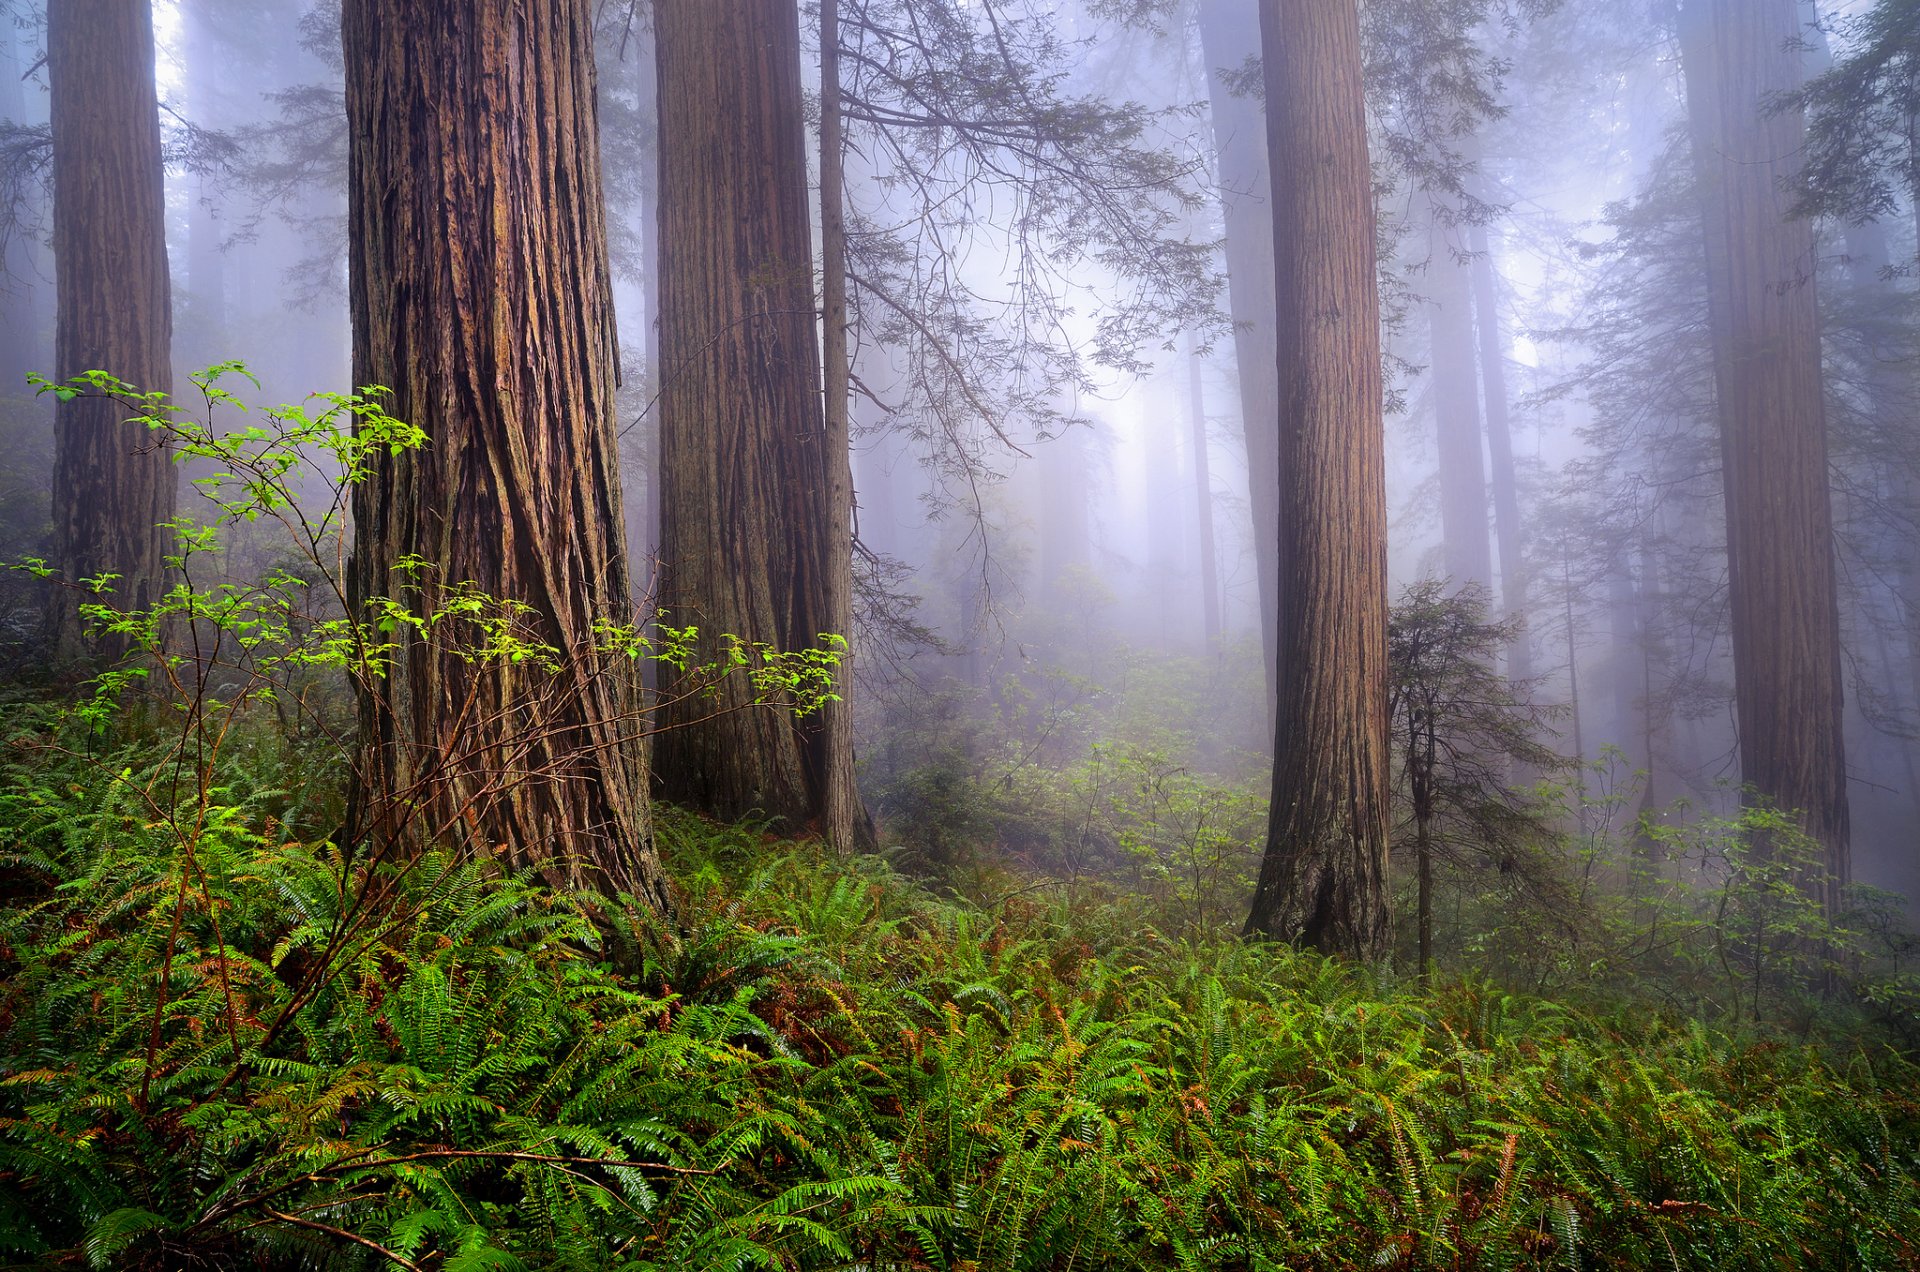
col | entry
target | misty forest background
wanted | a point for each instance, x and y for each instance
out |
(962, 634)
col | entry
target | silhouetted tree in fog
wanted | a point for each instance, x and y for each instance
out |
(1737, 55)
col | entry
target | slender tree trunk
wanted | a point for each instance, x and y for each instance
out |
(1229, 33)
(1423, 864)
(1737, 55)
(206, 263)
(113, 483)
(1573, 680)
(1456, 411)
(843, 817)
(1323, 875)
(1166, 527)
(1504, 479)
(1203, 497)
(645, 521)
(21, 314)
(481, 296)
(751, 478)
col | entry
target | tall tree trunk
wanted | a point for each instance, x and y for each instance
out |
(1737, 55)
(843, 817)
(1229, 33)
(481, 296)
(1423, 857)
(1456, 410)
(749, 532)
(1323, 875)
(1203, 498)
(205, 317)
(1504, 478)
(113, 484)
(21, 315)
(1066, 544)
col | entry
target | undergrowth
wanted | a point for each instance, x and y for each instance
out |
(822, 1065)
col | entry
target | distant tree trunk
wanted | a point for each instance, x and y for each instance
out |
(1323, 875)
(1065, 543)
(643, 513)
(1420, 782)
(206, 262)
(749, 528)
(1229, 34)
(481, 296)
(1456, 410)
(113, 483)
(843, 817)
(1166, 527)
(1737, 55)
(1203, 498)
(20, 316)
(1504, 478)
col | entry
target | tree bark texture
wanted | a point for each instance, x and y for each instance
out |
(113, 483)
(1229, 33)
(1456, 409)
(1737, 55)
(749, 532)
(1323, 876)
(481, 297)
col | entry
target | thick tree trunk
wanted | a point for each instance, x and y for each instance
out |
(481, 297)
(1229, 33)
(1737, 55)
(748, 527)
(1323, 876)
(1456, 411)
(113, 483)
(1203, 499)
(1502, 474)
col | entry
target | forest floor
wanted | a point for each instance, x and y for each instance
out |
(240, 1049)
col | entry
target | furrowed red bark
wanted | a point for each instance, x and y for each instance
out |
(752, 513)
(481, 297)
(1323, 876)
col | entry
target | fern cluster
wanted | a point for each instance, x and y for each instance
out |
(244, 1049)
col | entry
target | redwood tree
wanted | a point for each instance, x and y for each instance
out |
(1323, 877)
(754, 491)
(480, 297)
(1739, 57)
(113, 484)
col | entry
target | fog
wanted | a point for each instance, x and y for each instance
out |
(1058, 525)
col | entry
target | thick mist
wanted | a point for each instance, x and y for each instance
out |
(1061, 343)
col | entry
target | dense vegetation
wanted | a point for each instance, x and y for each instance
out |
(234, 1055)
(239, 1035)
